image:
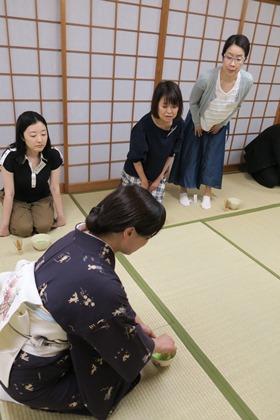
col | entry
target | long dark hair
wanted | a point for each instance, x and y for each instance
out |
(171, 92)
(127, 206)
(240, 40)
(26, 119)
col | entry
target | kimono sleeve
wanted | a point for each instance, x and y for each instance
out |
(138, 144)
(115, 336)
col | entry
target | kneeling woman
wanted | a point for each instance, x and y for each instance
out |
(31, 173)
(76, 344)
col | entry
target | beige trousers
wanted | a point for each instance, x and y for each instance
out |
(29, 218)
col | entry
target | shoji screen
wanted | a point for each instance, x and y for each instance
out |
(111, 60)
(94, 82)
(30, 70)
(262, 26)
(196, 32)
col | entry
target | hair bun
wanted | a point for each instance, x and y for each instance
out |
(95, 210)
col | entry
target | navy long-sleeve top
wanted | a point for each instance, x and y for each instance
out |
(152, 145)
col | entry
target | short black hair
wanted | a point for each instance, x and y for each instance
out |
(240, 40)
(127, 206)
(171, 92)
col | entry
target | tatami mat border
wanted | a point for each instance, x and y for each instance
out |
(78, 204)
(210, 219)
(209, 368)
(241, 249)
(231, 213)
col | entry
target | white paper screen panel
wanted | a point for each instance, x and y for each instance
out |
(30, 69)
(111, 63)
(196, 32)
(262, 24)
(111, 59)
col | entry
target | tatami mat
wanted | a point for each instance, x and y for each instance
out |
(138, 300)
(210, 291)
(257, 233)
(162, 393)
(239, 185)
(88, 200)
(11, 411)
(9, 252)
(226, 302)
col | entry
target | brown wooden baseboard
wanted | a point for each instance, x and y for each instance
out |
(230, 169)
(93, 186)
(113, 183)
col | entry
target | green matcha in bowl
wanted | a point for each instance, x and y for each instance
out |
(162, 359)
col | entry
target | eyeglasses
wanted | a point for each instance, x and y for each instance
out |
(237, 60)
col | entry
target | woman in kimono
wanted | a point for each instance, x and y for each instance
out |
(69, 339)
(215, 97)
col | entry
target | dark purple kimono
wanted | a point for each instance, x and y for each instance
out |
(80, 289)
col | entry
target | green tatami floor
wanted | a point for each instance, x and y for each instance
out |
(212, 280)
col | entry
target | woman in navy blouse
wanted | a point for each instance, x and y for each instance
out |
(155, 140)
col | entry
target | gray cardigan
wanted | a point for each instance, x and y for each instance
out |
(204, 91)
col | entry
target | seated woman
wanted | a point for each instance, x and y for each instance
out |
(31, 173)
(262, 157)
(69, 339)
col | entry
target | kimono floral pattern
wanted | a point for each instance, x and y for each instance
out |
(108, 349)
(27, 389)
(82, 298)
(8, 294)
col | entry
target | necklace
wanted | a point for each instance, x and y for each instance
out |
(160, 125)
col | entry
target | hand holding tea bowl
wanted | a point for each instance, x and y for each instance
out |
(163, 359)
(164, 351)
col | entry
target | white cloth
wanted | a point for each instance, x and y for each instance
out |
(20, 325)
(6, 397)
(222, 106)
(15, 289)
(40, 321)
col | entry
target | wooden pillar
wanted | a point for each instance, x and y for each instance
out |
(277, 117)
(64, 93)
(161, 40)
(242, 16)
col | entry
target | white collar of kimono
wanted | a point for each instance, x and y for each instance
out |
(82, 228)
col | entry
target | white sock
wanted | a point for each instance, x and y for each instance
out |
(206, 202)
(184, 199)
